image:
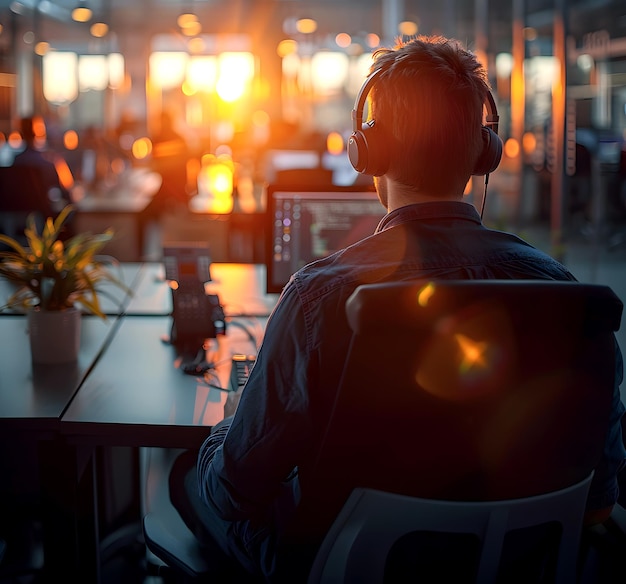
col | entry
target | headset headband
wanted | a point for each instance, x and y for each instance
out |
(361, 99)
(491, 121)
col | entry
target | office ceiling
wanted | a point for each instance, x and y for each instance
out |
(215, 15)
(266, 17)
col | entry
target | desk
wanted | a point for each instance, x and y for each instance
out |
(125, 390)
(119, 208)
(137, 396)
(240, 287)
(33, 396)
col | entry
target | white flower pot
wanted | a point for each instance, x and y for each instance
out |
(54, 335)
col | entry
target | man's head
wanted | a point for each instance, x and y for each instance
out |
(427, 102)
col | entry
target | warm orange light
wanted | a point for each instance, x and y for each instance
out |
(14, 139)
(511, 148)
(168, 68)
(65, 174)
(236, 71)
(215, 184)
(286, 47)
(334, 143)
(473, 352)
(81, 14)
(39, 127)
(201, 73)
(186, 19)
(188, 89)
(192, 30)
(529, 142)
(196, 45)
(141, 148)
(70, 140)
(306, 25)
(41, 48)
(99, 29)
(372, 40)
(343, 40)
(425, 294)
(408, 28)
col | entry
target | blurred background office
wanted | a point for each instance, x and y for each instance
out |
(270, 84)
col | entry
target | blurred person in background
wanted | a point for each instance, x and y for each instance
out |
(54, 172)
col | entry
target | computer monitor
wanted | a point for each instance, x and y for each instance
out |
(306, 223)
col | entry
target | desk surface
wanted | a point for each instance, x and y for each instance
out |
(136, 381)
(131, 195)
(137, 395)
(240, 288)
(34, 395)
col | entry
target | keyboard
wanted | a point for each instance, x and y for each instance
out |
(240, 371)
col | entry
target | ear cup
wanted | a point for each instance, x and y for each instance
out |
(491, 155)
(366, 151)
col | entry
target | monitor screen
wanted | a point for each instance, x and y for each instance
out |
(308, 223)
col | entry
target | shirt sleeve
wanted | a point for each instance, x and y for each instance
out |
(604, 490)
(271, 427)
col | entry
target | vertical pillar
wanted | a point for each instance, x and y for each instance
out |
(518, 98)
(392, 15)
(481, 30)
(559, 101)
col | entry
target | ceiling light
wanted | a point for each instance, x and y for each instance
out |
(82, 13)
(306, 25)
(187, 19)
(99, 29)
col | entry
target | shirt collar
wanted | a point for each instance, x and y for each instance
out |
(430, 210)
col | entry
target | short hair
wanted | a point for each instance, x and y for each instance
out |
(428, 105)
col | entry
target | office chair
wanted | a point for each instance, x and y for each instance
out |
(360, 540)
(477, 392)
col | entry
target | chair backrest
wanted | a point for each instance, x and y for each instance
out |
(359, 542)
(467, 390)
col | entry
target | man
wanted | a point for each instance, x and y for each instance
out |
(427, 140)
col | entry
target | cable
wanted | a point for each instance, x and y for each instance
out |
(482, 207)
(251, 336)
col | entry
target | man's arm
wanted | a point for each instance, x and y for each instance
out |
(271, 426)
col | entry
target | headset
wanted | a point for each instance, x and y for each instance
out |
(367, 149)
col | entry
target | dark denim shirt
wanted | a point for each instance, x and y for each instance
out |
(288, 395)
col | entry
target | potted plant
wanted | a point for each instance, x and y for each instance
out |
(54, 279)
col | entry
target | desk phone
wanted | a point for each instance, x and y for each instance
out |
(196, 316)
(187, 260)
